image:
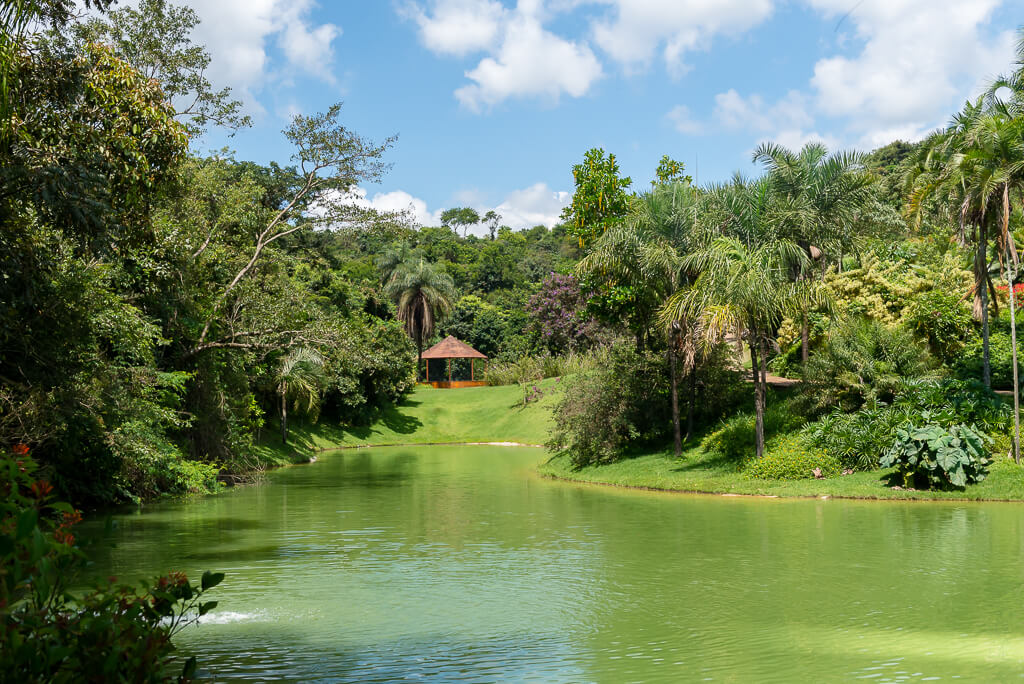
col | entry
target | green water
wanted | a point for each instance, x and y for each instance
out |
(445, 563)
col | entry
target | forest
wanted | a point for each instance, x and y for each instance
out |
(165, 313)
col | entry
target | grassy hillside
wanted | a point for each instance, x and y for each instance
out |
(428, 415)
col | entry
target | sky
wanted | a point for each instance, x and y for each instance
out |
(493, 102)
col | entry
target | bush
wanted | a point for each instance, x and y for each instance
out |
(969, 364)
(113, 633)
(863, 363)
(542, 366)
(735, 439)
(944, 458)
(861, 438)
(944, 321)
(602, 411)
(790, 458)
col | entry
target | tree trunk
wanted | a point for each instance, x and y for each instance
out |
(758, 394)
(1011, 273)
(419, 352)
(981, 300)
(692, 402)
(284, 414)
(676, 433)
(804, 338)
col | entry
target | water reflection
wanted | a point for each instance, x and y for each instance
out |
(448, 563)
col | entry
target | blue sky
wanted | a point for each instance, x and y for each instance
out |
(493, 102)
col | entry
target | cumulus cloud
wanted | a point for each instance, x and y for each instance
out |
(637, 29)
(920, 59)
(534, 205)
(683, 122)
(524, 59)
(530, 62)
(239, 33)
(397, 201)
(457, 27)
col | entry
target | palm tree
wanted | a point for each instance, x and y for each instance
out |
(825, 195)
(742, 282)
(299, 379)
(423, 297)
(643, 253)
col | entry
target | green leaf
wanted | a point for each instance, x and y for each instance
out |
(26, 523)
(211, 579)
(205, 608)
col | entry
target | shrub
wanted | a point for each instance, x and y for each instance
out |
(969, 365)
(113, 633)
(790, 458)
(735, 440)
(933, 456)
(863, 363)
(857, 440)
(602, 411)
(943, 320)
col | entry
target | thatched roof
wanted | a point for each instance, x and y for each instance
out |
(451, 348)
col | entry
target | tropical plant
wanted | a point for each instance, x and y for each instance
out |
(422, 296)
(824, 195)
(51, 633)
(299, 379)
(863, 363)
(742, 281)
(643, 254)
(930, 456)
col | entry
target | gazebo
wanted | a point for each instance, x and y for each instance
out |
(451, 348)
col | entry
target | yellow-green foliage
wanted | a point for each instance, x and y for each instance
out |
(789, 458)
(884, 289)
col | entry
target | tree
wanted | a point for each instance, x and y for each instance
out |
(299, 379)
(332, 160)
(423, 297)
(460, 217)
(600, 199)
(492, 219)
(643, 254)
(671, 171)
(824, 194)
(741, 280)
(155, 39)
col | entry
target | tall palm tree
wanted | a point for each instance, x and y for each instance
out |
(644, 254)
(742, 282)
(423, 296)
(825, 196)
(299, 379)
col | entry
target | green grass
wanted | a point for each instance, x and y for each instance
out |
(426, 416)
(698, 471)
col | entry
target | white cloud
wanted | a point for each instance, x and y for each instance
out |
(535, 205)
(640, 27)
(238, 33)
(734, 111)
(397, 201)
(683, 121)
(530, 62)
(458, 27)
(920, 60)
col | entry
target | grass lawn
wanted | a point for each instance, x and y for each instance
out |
(701, 472)
(426, 416)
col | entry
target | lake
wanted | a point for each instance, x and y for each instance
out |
(460, 564)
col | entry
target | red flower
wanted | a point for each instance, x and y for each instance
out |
(20, 449)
